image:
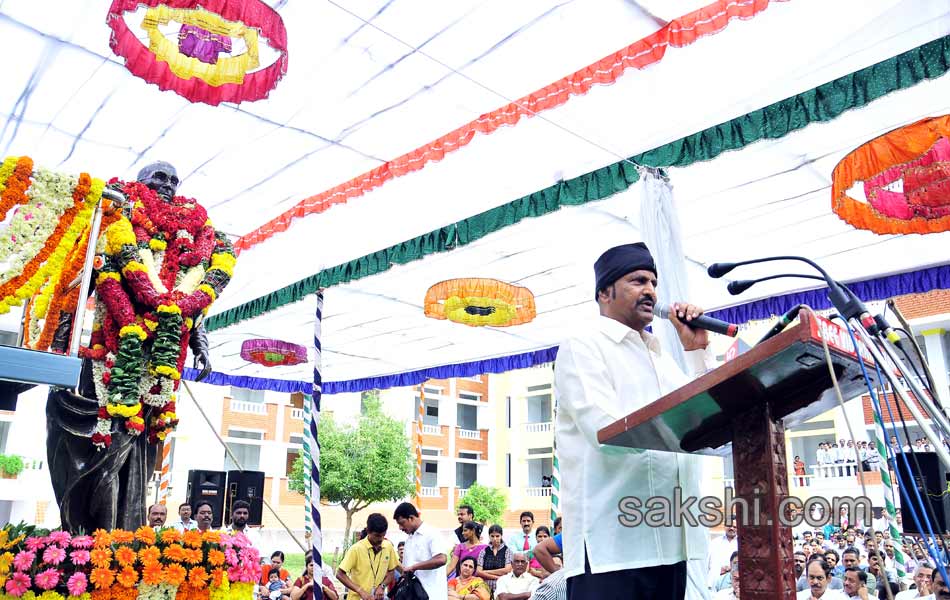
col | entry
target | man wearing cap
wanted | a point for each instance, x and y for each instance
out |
(601, 375)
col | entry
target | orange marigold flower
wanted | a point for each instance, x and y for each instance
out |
(145, 534)
(149, 555)
(121, 536)
(174, 552)
(101, 538)
(105, 594)
(123, 593)
(218, 577)
(171, 536)
(152, 573)
(213, 537)
(127, 577)
(198, 577)
(192, 538)
(125, 556)
(192, 556)
(215, 558)
(175, 574)
(100, 557)
(102, 577)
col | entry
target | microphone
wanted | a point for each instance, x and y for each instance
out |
(740, 285)
(783, 322)
(717, 270)
(701, 322)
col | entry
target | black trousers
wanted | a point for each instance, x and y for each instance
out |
(664, 582)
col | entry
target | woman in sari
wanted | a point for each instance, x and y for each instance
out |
(466, 586)
(472, 546)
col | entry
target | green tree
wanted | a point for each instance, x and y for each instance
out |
(488, 503)
(360, 465)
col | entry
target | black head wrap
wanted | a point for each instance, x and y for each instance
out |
(620, 260)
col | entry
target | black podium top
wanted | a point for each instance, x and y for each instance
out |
(788, 371)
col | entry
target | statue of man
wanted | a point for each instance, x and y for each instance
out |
(106, 487)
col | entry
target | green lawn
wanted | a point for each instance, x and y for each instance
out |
(294, 563)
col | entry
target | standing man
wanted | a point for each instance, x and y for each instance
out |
(424, 554)
(721, 550)
(157, 513)
(523, 541)
(204, 514)
(600, 376)
(184, 522)
(368, 566)
(465, 515)
(240, 513)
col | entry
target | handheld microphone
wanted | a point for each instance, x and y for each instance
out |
(701, 322)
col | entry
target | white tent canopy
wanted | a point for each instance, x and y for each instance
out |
(355, 96)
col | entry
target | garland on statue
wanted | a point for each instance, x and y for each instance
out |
(155, 274)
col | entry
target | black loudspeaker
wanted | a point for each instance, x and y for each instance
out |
(247, 486)
(931, 483)
(207, 486)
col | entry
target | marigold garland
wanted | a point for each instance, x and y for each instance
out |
(123, 565)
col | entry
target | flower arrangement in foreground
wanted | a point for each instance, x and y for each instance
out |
(155, 275)
(123, 565)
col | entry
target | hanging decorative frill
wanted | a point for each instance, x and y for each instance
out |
(478, 302)
(198, 65)
(904, 177)
(154, 275)
(273, 353)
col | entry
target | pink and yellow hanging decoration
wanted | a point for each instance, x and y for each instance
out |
(198, 65)
(905, 176)
(479, 302)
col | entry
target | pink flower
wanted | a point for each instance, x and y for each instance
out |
(18, 584)
(78, 558)
(77, 584)
(60, 537)
(24, 560)
(54, 555)
(82, 541)
(249, 556)
(35, 543)
(47, 580)
(231, 556)
(226, 540)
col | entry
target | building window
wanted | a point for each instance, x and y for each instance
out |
(465, 475)
(433, 391)
(540, 451)
(431, 415)
(296, 439)
(468, 455)
(539, 388)
(470, 397)
(430, 452)
(249, 455)
(540, 471)
(467, 417)
(430, 474)
(246, 395)
(508, 470)
(245, 435)
(539, 408)
(292, 455)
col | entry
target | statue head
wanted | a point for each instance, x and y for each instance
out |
(161, 177)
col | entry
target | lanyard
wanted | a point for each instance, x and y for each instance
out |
(379, 560)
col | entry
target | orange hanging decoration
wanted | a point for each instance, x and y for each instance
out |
(906, 179)
(479, 302)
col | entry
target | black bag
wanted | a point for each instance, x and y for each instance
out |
(409, 588)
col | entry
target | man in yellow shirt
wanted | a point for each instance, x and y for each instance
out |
(367, 567)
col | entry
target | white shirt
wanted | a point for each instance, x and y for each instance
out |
(726, 594)
(821, 456)
(910, 595)
(805, 594)
(600, 377)
(720, 551)
(181, 527)
(509, 584)
(425, 543)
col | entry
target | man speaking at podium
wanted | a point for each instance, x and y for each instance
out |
(600, 376)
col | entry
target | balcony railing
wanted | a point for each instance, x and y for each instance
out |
(296, 413)
(538, 427)
(432, 430)
(837, 470)
(468, 434)
(254, 408)
(461, 491)
(430, 492)
(536, 492)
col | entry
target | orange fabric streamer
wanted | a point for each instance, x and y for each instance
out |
(892, 149)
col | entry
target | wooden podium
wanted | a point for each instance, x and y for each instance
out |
(748, 403)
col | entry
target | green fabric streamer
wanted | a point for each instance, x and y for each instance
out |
(821, 104)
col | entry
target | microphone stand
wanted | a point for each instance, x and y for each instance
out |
(856, 314)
